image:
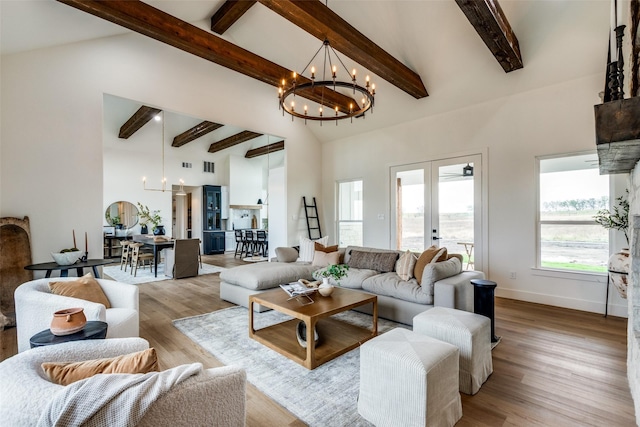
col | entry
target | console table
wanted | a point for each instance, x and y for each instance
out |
(64, 269)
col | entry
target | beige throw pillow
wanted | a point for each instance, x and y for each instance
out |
(285, 254)
(405, 265)
(425, 258)
(65, 373)
(438, 271)
(323, 259)
(86, 288)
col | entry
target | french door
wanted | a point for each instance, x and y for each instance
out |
(439, 203)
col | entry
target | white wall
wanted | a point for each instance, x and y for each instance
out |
(513, 130)
(52, 128)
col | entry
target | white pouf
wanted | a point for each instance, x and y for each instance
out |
(470, 332)
(408, 379)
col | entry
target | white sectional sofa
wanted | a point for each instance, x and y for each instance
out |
(398, 300)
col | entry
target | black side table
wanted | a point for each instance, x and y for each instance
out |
(484, 302)
(93, 330)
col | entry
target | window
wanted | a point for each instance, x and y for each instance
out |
(571, 191)
(350, 213)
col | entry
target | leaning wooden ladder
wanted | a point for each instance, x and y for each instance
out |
(312, 218)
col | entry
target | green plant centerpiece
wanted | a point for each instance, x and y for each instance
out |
(618, 219)
(148, 217)
(333, 271)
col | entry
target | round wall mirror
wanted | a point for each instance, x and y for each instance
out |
(122, 215)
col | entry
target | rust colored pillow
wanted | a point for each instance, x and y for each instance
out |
(66, 373)
(319, 247)
(425, 258)
(86, 288)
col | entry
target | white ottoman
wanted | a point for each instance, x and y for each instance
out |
(470, 332)
(408, 379)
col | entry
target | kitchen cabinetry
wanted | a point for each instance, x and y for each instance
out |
(230, 240)
(212, 234)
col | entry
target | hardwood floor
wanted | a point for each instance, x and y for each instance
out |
(553, 367)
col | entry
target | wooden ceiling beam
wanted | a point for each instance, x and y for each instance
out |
(321, 22)
(195, 132)
(139, 119)
(236, 139)
(261, 151)
(494, 29)
(149, 21)
(228, 14)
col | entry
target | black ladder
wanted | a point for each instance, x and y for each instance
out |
(311, 216)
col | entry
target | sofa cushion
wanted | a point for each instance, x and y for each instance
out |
(86, 288)
(323, 259)
(405, 265)
(353, 279)
(440, 270)
(391, 285)
(65, 373)
(286, 254)
(267, 275)
(307, 248)
(379, 261)
(426, 257)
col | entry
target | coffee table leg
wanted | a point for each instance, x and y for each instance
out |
(251, 330)
(310, 363)
(375, 318)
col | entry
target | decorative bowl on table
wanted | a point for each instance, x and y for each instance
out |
(68, 321)
(66, 258)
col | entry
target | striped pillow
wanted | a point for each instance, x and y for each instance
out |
(308, 249)
(405, 265)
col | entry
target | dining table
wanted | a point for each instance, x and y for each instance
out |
(157, 246)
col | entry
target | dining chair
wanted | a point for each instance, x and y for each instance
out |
(126, 254)
(138, 258)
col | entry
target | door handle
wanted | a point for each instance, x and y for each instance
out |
(436, 238)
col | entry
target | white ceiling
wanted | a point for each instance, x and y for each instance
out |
(560, 40)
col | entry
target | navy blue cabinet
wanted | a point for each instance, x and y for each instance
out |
(212, 234)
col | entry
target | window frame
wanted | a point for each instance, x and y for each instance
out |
(568, 273)
(338, 201)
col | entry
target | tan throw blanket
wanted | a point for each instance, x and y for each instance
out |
(112, 399)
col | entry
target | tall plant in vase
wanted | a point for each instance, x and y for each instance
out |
(619, 263)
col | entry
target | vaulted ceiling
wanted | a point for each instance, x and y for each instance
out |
(456, 50)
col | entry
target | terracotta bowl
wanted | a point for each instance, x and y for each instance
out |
(68, 321)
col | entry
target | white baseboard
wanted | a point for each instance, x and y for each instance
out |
(564, 302)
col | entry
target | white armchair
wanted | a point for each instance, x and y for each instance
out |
(35, 305)
(215, 397)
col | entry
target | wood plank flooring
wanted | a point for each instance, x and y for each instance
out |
(553, 367)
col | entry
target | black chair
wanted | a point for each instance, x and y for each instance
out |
(238, 234)
(248, 245)
(261, 242)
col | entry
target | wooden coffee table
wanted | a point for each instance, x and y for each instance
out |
(335, 337)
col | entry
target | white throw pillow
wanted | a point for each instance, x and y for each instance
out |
(308, 249)
(405, 265)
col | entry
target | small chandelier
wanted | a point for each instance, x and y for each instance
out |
(287, 92)
(180, 192)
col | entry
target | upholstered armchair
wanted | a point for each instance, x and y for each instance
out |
(182, 261)
(35, 305)
(213, 397)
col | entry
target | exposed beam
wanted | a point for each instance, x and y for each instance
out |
(494, 29)
(320, 21)
(194, 133)
(149, 21)
(139, 119)
(271, 148)
(236, 139)
(228, 14)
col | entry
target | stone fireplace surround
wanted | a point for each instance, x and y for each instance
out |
(633, 292)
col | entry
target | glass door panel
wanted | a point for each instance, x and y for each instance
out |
(410, 225)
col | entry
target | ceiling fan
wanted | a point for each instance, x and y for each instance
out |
(467, 172)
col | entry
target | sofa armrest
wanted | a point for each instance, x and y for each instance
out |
(456, 291)
(120, 295)
(215, 397)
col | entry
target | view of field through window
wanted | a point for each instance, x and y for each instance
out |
(571, 193)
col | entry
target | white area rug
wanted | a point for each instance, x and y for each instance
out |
(324, 397)
(145, 275)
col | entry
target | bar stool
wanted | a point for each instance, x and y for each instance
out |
(248, 244)
(238, 234)
(260, 245)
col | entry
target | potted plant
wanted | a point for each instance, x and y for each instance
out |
(150, 217)
(619, 263)
(332, 271)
